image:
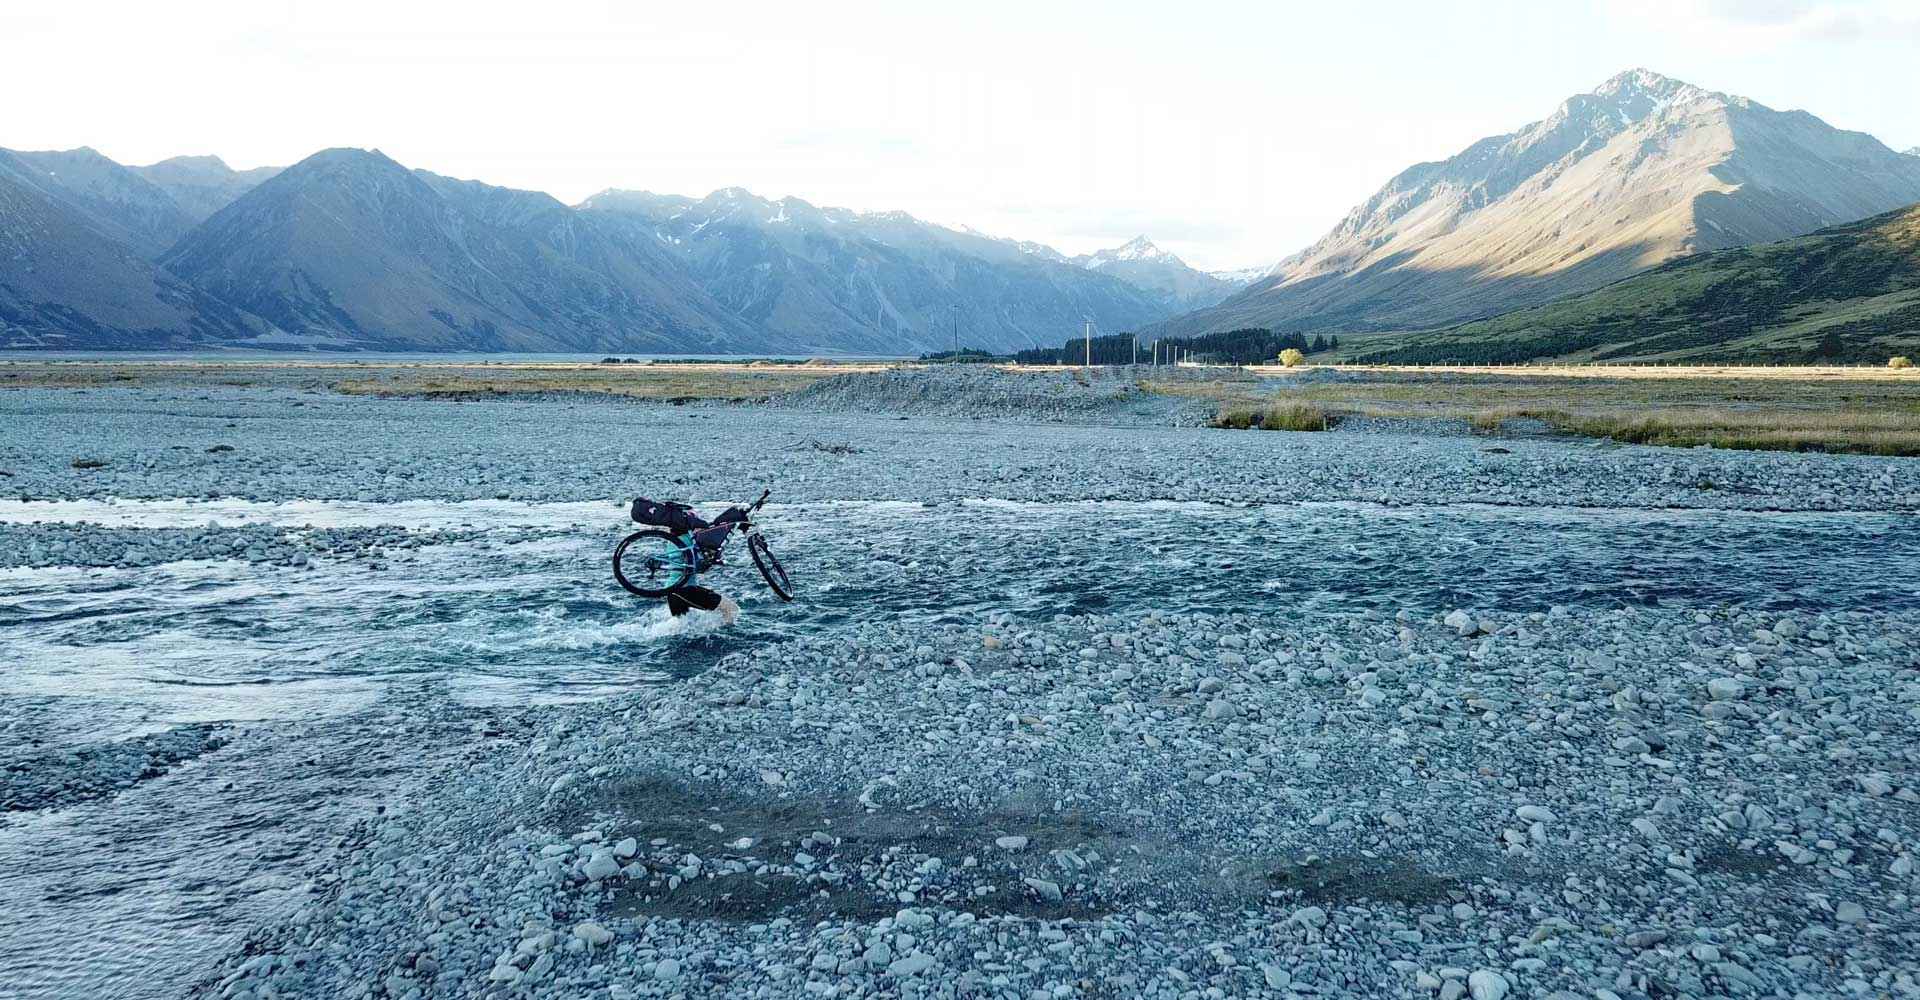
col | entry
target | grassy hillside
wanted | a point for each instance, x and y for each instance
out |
(1844, 294)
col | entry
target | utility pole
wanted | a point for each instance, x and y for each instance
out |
(1089, 343)
(955, 359)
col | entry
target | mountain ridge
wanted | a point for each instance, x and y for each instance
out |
(65, 282)
(1844, 293)
(348, 248)
(1641, 170)
(877, 277)
(202, 185)
(1141, 263)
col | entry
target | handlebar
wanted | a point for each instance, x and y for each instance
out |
(757, 504)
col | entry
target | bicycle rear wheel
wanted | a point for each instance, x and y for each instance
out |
(770, 568)
(651, 563)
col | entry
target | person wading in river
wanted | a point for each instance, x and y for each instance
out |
(679, 517)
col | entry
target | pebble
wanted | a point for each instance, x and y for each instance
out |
(1485, 984)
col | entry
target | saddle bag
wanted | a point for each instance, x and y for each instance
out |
(668, 515)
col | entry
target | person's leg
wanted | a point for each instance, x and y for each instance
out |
(707, 600)
(699, 597)
(676, 604)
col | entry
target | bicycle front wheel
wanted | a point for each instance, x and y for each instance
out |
(651, 563)
(770, 568)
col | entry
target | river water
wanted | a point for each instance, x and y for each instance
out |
(345, 683)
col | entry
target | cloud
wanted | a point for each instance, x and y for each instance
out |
(1773, 22)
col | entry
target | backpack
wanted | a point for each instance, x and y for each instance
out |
(668, 515)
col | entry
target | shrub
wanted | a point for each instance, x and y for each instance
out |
(1236, 419)
(1294, 417)
(1292, 356)
(1899, 361)
(1277, 417)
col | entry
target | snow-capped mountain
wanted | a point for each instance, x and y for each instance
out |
(1641, 170)
(1244, 276)
(1138, 249)
(1142, 264)
(835, 279)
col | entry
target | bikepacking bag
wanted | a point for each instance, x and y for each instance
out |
(671, 516)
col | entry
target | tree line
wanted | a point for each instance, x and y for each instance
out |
(1247, 346)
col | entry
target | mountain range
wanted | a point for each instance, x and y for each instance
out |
(349, 249)
(1141, 264)
(883, 282)
(1640, 171)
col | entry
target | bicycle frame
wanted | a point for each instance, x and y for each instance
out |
(706, 555)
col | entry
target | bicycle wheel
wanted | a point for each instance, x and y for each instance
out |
(770, 568)
(651, 563)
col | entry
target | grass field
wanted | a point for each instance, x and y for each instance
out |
(1860, 410)
(1838, 409)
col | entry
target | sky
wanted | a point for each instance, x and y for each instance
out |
(1230, 133)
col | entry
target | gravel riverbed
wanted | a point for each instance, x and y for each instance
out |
(1609, 804)
(1239, 728)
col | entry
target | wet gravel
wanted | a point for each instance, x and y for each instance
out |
(95, 546)
(35, 778)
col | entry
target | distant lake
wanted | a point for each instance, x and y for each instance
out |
(373, 357)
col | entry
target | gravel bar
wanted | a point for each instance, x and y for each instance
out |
(1623, 804)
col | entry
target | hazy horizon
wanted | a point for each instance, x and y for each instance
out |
(1231, 134)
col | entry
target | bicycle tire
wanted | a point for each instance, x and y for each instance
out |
(655, 573)
(770, 568)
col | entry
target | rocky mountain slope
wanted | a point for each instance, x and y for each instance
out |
(114, 200)
(1640, 171)
(1849, 293)
(350, 249)
(1140, 263)
(202, 185)
(825, 278)
(65, 282)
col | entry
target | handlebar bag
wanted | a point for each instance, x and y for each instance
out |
(668, 515)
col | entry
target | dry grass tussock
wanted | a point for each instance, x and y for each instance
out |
(1867, 432)
(1274, 417)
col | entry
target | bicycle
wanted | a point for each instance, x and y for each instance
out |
(656, 561)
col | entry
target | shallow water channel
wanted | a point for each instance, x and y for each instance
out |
(536, 615)
(133, 895)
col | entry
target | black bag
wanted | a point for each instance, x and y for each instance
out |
(669, 515)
